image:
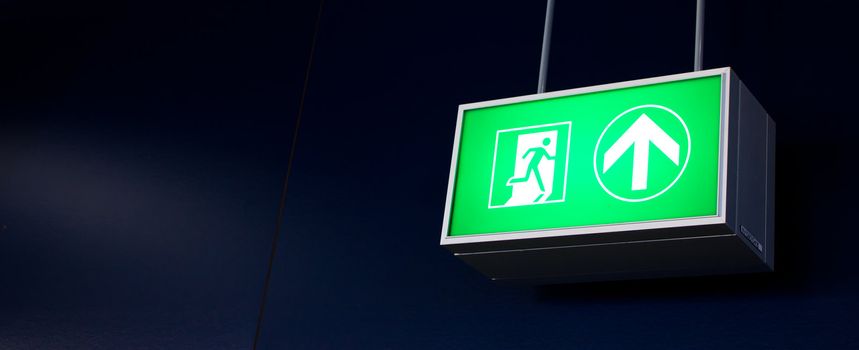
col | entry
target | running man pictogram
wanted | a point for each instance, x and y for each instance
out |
(539, 154)
(529, 165)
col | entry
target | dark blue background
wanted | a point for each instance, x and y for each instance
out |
(143, 147)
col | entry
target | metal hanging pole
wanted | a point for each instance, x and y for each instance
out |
(547, 39)
(699, 35)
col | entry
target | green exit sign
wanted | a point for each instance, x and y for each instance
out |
(643, 156)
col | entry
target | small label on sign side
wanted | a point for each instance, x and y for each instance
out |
(751, 238)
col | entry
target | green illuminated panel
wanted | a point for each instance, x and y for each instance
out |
(635, 154)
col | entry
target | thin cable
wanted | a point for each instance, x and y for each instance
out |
(699, 35)
(282, 205)
(547, 40)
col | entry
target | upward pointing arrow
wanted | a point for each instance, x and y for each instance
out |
(641, 134)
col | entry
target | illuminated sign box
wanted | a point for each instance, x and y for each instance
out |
(655, 177)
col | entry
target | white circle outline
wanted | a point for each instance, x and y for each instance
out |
(688, 153)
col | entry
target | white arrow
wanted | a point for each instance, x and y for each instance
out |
(641, 134)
